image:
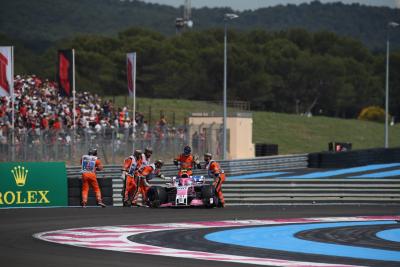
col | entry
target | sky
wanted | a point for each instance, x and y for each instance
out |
(254, 4)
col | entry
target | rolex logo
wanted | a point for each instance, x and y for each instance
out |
(20, 175)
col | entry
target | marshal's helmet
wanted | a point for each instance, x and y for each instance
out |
(159, 163)
(148, 151)
(207, 156)
(187, 150)
(137, 152)
(92, 152)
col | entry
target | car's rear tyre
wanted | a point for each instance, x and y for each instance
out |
(156, 196)
(208, 196)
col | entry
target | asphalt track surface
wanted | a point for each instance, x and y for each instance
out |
(19, 248)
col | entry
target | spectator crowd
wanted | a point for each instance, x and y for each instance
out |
(39, 109)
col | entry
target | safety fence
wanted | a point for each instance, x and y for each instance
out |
(113, 144)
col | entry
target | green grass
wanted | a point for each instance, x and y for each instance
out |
(299, 134)
(292, 133)
(178, 108)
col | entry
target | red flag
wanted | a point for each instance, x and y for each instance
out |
(5, 71)
(131, 72)
(65, 71)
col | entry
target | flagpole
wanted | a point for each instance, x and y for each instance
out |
(12, 104)
(73, 92)
(134, 100)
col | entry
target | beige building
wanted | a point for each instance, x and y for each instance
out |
(239, 133)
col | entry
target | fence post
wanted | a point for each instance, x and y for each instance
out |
(25, 144)
(112, 146)
(69, 147)
(13, 145)
(150, 116)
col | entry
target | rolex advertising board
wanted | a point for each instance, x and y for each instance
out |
(33, 184)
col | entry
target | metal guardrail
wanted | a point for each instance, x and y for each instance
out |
(304, 191)
(231, 167)
(277, 191)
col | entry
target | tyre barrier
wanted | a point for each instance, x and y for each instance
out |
(75, 196)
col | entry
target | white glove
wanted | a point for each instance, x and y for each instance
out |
(123, 175)
(196, 159)
(162, 176)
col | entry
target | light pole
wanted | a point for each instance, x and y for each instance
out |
(227, 17)
(390, 25)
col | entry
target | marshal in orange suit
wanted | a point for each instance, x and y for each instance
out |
(89, 165)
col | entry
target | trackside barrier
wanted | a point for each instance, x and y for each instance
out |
(353, 158)
(272, 190)
(233, 167)
(74, 192)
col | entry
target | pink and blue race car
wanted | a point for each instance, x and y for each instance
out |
(183, 191)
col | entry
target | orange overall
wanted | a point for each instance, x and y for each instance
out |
(130, 166)
(142, 175)
(215, 172)
(90, 164)
(186, 163)
(142, 188)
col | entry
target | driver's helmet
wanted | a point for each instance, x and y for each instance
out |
(198, 179)
(187, 150)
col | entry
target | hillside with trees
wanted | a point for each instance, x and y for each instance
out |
(285, 70)
(41, 22)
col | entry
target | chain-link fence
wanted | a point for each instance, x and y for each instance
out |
(113, 144)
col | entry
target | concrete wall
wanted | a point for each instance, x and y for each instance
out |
(353, 158)
(239, 131)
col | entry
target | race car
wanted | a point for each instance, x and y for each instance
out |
(183, 191)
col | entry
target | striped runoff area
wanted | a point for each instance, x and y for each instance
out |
(391, 235)
(374, 171)
(119, 238)
(347, 171)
